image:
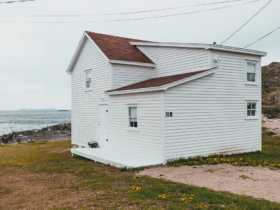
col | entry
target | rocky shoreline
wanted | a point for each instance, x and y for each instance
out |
(54, 133)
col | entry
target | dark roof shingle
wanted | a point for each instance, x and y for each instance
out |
(119, 48)
(155, 82)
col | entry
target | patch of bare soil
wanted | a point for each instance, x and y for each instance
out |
(41, 191)
(60, 151)
(273, 126)
(257, 182)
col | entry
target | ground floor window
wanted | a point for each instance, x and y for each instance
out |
(133, 117)
(251, 109)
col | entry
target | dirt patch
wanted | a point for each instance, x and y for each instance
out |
(273, 126)
(42, 191)
(258, 182)
(60, 151)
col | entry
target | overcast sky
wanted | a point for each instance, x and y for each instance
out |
(35, 56)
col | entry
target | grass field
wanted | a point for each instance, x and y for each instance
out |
(43, 175)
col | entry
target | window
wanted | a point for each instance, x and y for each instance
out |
(251, 72)
(251, 109)
(88, 79)
(133, 117)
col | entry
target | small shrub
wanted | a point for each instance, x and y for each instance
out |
(269, 133)
(243, 177)
(125, 169)
(258, 152)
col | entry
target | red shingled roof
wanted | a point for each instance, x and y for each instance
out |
(119, 48)
(155, 82)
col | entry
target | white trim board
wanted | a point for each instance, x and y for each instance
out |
(132, 63)
(76, 54)
(163, 126)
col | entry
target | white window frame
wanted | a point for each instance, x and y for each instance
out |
(256, 117)
(85, 80)
(134, 129)
(256, 72)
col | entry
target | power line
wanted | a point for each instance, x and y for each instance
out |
(20, 1)
(246, 23)
(262, 37)
(132, 19)
(124, 13)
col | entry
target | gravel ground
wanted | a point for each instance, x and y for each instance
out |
(273, 126)
(258, 182)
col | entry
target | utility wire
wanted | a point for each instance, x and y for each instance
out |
(246, 23)
(124, 13)
(9, 2)
(143, 18)
(262, 37)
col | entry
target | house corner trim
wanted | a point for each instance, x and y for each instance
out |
(163, 126)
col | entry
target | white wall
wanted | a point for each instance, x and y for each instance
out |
(209, 113)
(85, 103)
(124, 75)
(145, 143)
(171, 60)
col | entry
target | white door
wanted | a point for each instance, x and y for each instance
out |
(103, 126)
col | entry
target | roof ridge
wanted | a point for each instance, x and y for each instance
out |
(119, 36)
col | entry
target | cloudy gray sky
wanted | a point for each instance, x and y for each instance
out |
(35, 56)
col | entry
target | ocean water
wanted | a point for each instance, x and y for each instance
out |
(30, 120)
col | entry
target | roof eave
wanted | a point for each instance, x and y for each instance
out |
(132, 63)
(238, 50)
(202, 46)
(164, 87)
(140, 90)
(75, 56)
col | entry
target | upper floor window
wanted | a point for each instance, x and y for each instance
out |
(251, 72)
(88, 79)
(133, 117)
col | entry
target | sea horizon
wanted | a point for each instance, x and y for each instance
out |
(31, 119)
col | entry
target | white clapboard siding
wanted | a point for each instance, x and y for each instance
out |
(85, 103)
(209, 114)
(171, 60)
(146, 142)
(124, 75)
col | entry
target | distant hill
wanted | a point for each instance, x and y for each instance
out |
(271, 90)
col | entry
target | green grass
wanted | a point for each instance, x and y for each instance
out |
(105, 187)
(32, 153)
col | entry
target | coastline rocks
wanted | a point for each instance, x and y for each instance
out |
(55, 133)
(20, 139)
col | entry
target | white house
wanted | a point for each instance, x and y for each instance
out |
(148, 102)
